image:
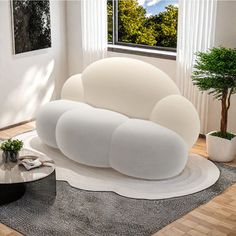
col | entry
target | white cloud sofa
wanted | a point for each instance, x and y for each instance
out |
(124, 114)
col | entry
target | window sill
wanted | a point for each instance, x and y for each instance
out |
(143, 52)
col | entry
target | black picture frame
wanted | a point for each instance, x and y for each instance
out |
(31, 25)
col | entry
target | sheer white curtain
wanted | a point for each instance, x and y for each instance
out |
(196, 32)
(94, 30)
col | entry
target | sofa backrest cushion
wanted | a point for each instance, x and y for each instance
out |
(125, 85)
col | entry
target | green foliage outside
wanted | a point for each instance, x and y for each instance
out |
(110, 20)
(135, 27)
(12, 145)
(165, 27)
(215, 72)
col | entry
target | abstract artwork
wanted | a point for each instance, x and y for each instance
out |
(31, 25)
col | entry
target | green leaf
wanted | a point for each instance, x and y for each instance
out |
(215, 70)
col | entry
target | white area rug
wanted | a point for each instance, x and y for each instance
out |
(199, 174)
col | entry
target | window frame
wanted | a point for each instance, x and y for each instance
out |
(121, 46)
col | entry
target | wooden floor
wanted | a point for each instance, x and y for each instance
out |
(216, 218)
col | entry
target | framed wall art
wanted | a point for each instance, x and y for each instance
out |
(31, 25)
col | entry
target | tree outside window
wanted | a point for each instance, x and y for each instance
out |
(143, 23)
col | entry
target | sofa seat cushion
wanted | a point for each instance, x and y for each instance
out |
(85, 135)
(103, 138)
(144, 149)
(48, 116)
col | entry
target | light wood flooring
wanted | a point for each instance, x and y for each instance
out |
(216, 218)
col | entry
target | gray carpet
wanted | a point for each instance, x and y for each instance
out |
(79, 212)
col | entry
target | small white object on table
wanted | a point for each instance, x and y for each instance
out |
(30, 160)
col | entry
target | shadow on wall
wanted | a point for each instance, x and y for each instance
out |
(35, 88)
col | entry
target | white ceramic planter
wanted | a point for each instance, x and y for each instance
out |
(220, 149)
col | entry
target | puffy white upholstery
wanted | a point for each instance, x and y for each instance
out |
(48, 116)
(143, 149)
(178, 114)
(125, 85)
(124, 114)
(73, 89)
(85, 135)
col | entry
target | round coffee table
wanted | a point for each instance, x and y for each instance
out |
(14, 179)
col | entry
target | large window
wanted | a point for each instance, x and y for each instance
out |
(143, 23)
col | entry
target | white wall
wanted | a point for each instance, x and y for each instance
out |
(225, 36)
(168, 66)
(30, 79)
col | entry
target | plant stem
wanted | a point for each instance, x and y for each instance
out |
(224, 113)
(229, 97)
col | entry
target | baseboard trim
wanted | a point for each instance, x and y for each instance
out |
(17, 124)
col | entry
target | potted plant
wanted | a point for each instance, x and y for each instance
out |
(11, 149)
(215, 72)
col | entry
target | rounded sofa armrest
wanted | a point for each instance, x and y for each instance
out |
(73, 89)
(175, 112)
